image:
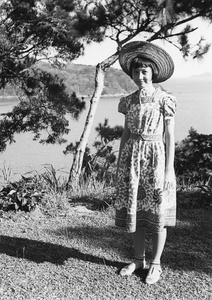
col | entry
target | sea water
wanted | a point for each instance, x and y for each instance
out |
(194, 109)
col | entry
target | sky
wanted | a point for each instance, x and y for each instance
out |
(97, 52)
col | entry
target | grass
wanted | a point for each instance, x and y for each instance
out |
(68, 248)
(6, 174)
(78, 255)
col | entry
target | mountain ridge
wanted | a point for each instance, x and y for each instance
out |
(202, 75)
(81, 79)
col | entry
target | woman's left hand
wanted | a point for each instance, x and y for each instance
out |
(169, 181)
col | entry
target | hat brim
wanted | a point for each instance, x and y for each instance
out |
(149, 51)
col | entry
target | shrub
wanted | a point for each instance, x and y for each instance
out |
(193, 158)
(47, 188)
(21, 195)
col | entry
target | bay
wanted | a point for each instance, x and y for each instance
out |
(194, 109)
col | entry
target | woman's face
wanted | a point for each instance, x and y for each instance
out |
(142, 76)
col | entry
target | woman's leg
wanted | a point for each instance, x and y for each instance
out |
(139, 242)
(139, 249)
(159, 239)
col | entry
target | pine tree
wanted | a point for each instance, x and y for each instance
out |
(30, 32)
(148, 20)
(57, 31)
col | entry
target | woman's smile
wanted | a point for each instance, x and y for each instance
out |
(142, 76)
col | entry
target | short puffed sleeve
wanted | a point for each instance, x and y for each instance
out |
(122, 106)
(169, 105)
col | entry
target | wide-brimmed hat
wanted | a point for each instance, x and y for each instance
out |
(148, 51)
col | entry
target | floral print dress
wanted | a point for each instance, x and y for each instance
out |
(141, 200)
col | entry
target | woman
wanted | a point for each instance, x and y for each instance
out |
(146, 188)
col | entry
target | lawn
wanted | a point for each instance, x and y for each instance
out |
(76, 254)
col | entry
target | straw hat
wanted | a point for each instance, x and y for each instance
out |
(146, 50)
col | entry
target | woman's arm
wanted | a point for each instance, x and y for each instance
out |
(170, 151)
(124, 138)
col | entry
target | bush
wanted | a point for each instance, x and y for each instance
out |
(193, 158)
(47, 188)
(193, 165)
(21, 195)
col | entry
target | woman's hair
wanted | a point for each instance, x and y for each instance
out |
(140, 62)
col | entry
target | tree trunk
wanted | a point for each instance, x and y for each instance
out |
(99, 85)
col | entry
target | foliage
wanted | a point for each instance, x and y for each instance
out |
(22, 195)
(33, 189)
(43, 113)
(53, 182)
(193, 164)
(166, 20)
(31, 31)
(194, 156)
(28, 30)
(6, 174)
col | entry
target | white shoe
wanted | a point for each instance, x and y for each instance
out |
(153, 274)
(135, 265)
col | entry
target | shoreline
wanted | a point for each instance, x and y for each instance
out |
(15, 98)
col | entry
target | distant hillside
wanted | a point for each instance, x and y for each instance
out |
(203, 75)
(80, 79)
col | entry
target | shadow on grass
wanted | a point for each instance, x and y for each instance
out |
(91, 203)
(41, 252)
(106, 239)
(188, 244)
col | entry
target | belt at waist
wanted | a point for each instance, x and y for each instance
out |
(146, 137)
